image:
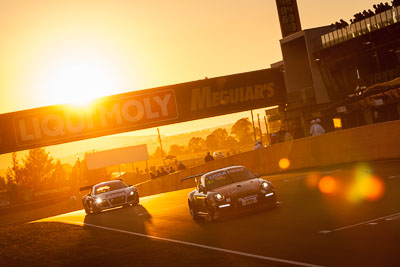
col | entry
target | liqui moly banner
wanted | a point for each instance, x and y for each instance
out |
(141, 109)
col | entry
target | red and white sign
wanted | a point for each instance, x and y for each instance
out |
(116, 156)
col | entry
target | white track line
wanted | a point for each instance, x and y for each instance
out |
(327, 172)
(194, 244)
(358, 224)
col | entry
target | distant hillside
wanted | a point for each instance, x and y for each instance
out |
(67, 152)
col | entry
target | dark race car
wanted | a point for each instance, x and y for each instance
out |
(226, 190)
(108, 195)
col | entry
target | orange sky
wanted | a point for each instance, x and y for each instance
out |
(58, 51)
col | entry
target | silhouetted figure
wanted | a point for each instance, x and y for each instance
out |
(371, 13)
(343, 23)
(163, 172)
(375, 8)
(152, 175)
(181, 166)
(274, 138)
(395, 3)
(171, 169)
(208, 157)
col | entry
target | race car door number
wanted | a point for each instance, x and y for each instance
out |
(249, 200)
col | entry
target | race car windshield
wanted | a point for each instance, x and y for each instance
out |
(228, 177)
(109, 187)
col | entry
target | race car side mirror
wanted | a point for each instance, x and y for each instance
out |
(202, 188)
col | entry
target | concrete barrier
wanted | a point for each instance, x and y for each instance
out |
(367, 143)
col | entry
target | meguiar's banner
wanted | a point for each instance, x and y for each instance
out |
(141, 109)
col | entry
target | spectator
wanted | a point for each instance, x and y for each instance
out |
(375, 8)
(170, 169)
(181, 166)
(258, 145)
(370, 13)
(395, 3)
(343, 23)
(274, 139)
(316, 128)
(163, 172)
(287, 136)
(284, 135)
(158, 174)
(208, 157)
(152, 175)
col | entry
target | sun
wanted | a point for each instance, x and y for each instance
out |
(78, 77)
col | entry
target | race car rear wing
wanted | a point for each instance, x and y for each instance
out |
(90, 186)
(192, 176)
(86, 187)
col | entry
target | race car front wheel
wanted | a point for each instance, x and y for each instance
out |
(210, 213)
(136, 199)
(193, 212)
(87, 210)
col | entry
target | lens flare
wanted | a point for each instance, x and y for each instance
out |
(376, 189)
(327, 184)
(312, 180)
(366, 186)
(284, 163)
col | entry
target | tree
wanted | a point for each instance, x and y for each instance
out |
(157, 154)
(231, 142)
(14, 175)
(196, 144)
(59, 175)
(38, 167)
(176, 150)
(212, 142)
(3, 184)
(221, 135)
(242, 129)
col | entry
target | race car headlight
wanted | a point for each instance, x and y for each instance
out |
(98, 200)
(131, 193)
(219, 197)
(264, 185)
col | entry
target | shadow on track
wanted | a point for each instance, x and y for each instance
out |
(129, 219)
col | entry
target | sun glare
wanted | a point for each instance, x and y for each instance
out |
(78, 78)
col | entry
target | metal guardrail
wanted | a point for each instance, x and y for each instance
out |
(32, 205)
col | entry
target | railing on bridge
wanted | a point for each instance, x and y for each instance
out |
(378, 21)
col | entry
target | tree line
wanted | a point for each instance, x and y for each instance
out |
(38, 170)
(240, 136)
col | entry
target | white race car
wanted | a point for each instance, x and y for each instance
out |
(108, 195)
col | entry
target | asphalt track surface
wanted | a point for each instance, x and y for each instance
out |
(309, 228)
